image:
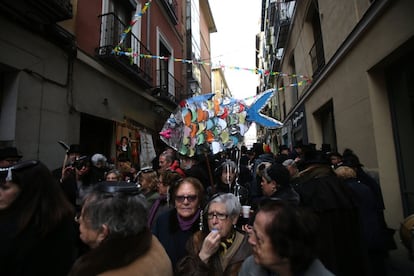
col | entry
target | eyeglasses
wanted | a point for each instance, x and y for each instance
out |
(181, 198)
(217, 215)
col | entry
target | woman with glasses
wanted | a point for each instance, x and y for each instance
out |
(113, 223)
(174, 227)
(37, 232)
(218, 249)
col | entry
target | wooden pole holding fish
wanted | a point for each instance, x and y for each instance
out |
(210, 175)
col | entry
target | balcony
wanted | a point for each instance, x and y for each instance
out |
(170, 7)
(282, 22)
(135, 67)
(37, 12)
(169, 89)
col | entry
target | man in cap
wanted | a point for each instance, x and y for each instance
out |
(9, 156)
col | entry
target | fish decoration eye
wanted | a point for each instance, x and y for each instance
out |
(204, 123)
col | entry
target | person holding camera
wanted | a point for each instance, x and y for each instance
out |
(75, 180)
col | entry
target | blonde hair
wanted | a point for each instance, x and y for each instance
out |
(117, 174)
(152, 178)
(345, 172)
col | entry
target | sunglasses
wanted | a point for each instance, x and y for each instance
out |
(190, 198)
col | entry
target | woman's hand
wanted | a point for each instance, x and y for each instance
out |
(210, 245)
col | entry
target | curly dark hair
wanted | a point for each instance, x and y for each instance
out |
(169, 177)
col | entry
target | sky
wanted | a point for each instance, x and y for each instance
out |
(234, 44)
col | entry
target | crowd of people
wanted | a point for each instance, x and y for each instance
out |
(313, 212)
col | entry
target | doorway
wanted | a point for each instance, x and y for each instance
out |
(399, 78)
(96, 135)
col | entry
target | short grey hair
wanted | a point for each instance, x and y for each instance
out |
(289, 162)
(169, 156)
(124, 214)
(232, 203)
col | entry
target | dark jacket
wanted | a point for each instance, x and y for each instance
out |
(28, 253)
(234, 257)
(288, 194)
(73, 192)
(170, 235)
(160, 206)
(372, 230)
(339, 236)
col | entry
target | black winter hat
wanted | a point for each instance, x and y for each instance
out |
(9, 152)
(315, 157)
(278, 173)
(74, 148)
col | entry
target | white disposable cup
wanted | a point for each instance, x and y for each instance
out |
(246, 211)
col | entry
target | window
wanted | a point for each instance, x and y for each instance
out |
(294, 80)
(316, 53)
(326, 121)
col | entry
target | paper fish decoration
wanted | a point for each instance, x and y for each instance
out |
(202, 122)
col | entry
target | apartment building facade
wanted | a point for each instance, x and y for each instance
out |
(358, 56)
(92, 71)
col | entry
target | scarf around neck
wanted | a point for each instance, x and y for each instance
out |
(186, 224)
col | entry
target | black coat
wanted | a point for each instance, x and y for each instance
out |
(339, 237)
(29, 253)
(288, 194)
(170, 235)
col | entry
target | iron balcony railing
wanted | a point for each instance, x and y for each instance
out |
(169, 88)
(129, 59)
